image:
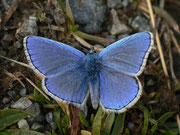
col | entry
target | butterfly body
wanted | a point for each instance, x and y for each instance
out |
(111, 76)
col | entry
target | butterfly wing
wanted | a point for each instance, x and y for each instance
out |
(118, 91)
(128, 55)
(61, 67)
(49, 58)
(121, 63)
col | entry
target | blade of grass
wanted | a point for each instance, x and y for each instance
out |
(146, 117)
(157, 39)
(83, 120)
(96, 126)
(119, 124)
(106, 129)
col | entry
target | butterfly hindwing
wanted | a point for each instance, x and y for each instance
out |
(118, 91)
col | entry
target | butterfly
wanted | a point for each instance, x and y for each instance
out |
(109, 77)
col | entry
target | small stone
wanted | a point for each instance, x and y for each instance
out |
(131, 125)
(34, 109)
(4, 44)
(22, 92)
(18, 44)
(37, 127)
(5, 100)
(29, 27)
(53, 125)
(49, 117)
(88, 14)
(12, 94)
(141, 115)
(141, 24)
(150, 82)
(8, 38)
(22, 124)
(114, 3)
(118, 27)
(37, 119)
(125, 3)
(22, 103)
(3, 53)
(122, 36)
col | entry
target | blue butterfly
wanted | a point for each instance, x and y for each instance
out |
(110, 77)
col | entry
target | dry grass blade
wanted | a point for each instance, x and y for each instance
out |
(171, 21)
(68, 11)
(37, 88)
(175, 42)
(11, 10)
(14, 77)
(157, 39)
(178, 121)
(84, 43)
(171, 67)
(20, 63)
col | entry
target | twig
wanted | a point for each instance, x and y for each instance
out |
(157, 39)
(37, 88)
(17, 62)
(175, 42)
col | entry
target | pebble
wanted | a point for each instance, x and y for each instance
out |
(22, 103)
(18, 44)
(34, 109)
(12, 94)
(122, 36)
(49, 117)
(150, 82)
(22, 92)
(22, 124)
(5, 100)
(37, 127)
(88, 14)
(53, 125)
(3, 53)
(8, 38)
(38, 119)
(29, 27)
(118, 27)
(140, 24)
(4, 44)
(131, 125)
(114, 3)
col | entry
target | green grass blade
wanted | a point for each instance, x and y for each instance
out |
(83, 120)
(106, 129)
(119, 124)
(22, 132)
(164, 117)
(96, 127)
(11, 116)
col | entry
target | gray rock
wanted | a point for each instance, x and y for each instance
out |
(114, 3)
(6, 4)
(122, 36)
(12, 94)
(89, 14)
(53, 125)
(131, 125)
(141, 24)
(3, 53)
(37, 127)
(118, 27)
(5, 100)
(8, 38)
(49, 117)
(34, 109)
(150, 82)
(22, 124)
(117, 3)
(18, 44)
(22, 103)
(22, 92)
(37, 119)
(29, 27)
(4, 44)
